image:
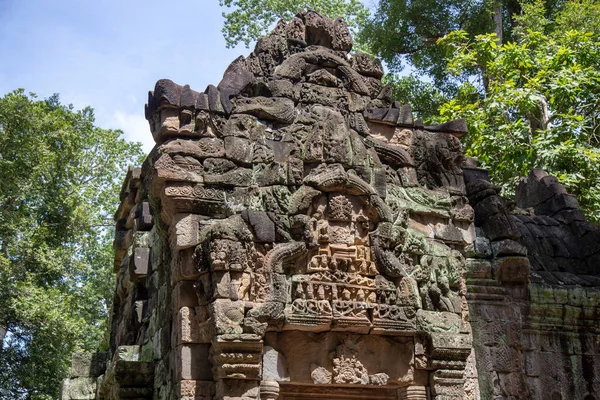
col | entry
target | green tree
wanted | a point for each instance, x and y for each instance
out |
(405, 32)
(400, 32)
(540, 103)
(424, 98)
(249, 20)
(60, 179)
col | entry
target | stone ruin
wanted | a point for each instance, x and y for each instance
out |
(296, 234)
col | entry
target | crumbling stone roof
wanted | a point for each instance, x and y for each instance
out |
(545, 223)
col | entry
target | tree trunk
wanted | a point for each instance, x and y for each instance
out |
(2, 334)
(539, 118)
(498, 29)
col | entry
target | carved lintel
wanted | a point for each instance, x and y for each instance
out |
(391, 319)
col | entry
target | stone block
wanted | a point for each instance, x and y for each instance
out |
(448, 233)
(532, 365)
(512, 385)
(274, 365)
(508, 247)
(447, 384)
(192, 326)
(184, 295)
(434, 321)
(561, 296)
(512, 269)
(270, 174)
(480, 269)
(503, 359)
(161, 343)
(577, 296)
(194, 389)
(186, 229)
(408, 176)
(262, 226)
(468, 232)
(239, 150)
(365, 65)
(88, 364)
(223, 285)
(267, 108)
(239, 177)
(127, 353)
(490, 333)
(457, 127)
(191, 361)
(228, 316)
(138, 263)
(185, 268)
(537, 188)
(450, 346)
(132, 375)
(541, 294)
(556, 204)
(81, 388)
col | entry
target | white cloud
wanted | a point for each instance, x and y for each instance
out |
(135, 128)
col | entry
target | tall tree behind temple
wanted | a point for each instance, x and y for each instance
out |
(249, 20)
(539, 106)
(400, 32)
(60, 179)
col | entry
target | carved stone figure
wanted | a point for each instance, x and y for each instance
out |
(297, 234)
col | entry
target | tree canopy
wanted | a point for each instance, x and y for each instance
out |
(249, 20)
(537, 104)
(60, 176)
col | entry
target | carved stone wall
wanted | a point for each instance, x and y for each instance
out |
(532, 289)
(296, 234)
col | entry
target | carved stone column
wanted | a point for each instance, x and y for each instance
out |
(412, 393)
(236, 363)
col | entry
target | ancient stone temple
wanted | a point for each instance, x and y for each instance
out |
(296, 234)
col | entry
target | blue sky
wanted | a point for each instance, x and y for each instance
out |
(108, 53)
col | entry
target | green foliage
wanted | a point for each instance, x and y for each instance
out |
(537, 103)
(405, 32)
(60, 180)
(251, 19)
(424, 97)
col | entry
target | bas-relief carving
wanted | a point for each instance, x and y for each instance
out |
(297, 234)
(312, 230)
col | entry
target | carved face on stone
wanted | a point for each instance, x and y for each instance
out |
(165, 121)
